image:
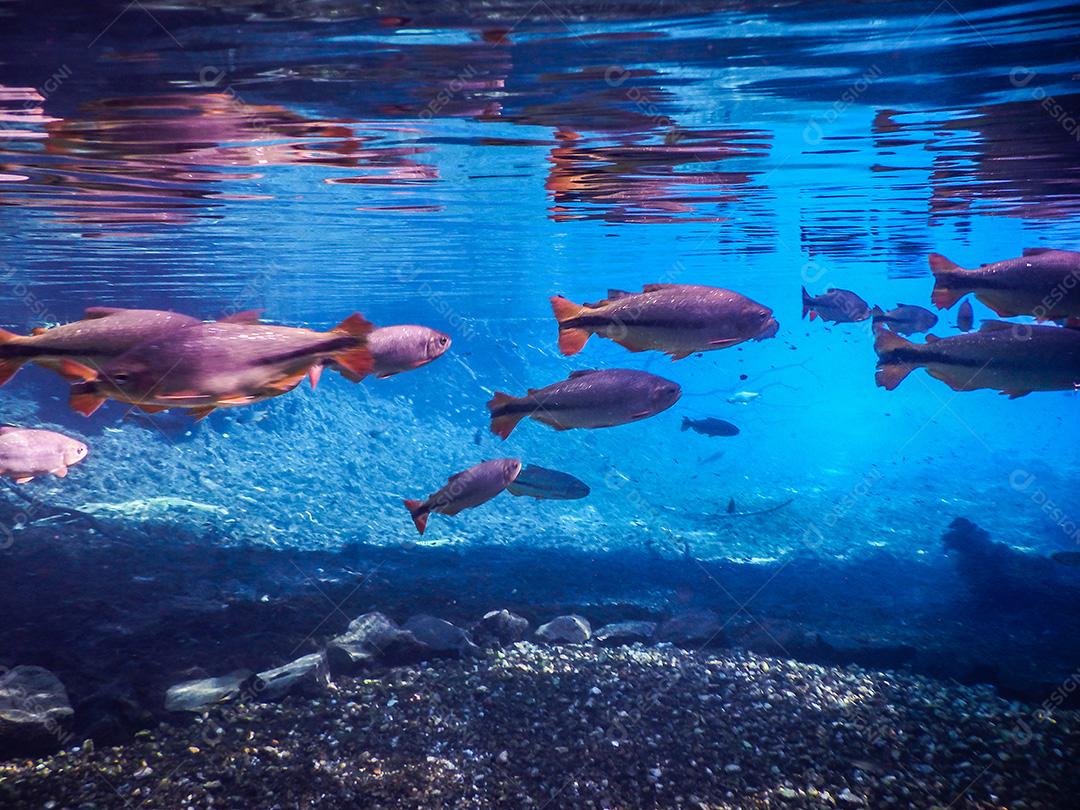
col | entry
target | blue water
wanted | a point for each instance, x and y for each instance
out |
(420, 166)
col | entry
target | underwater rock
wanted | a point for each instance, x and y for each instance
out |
(617, 633)
(692, 627)
(111, 715)
(34, 711)
(500, 628)
(373, 639)
(441, 636)
(274, 684)
(193, 696)
(565, 630)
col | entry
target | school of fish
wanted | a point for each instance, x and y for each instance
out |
(159, 360)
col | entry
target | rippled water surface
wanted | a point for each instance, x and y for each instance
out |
(455, 165)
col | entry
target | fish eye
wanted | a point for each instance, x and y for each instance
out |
(443, 340)
(762, 316)
(120, 377)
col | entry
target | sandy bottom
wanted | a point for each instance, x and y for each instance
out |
(580, 726)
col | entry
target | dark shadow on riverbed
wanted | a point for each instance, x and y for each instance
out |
(121, 618)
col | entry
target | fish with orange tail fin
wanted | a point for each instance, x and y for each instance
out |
(1043, 282)
(677, 319)
(591, 398)
(103, 334)
(465, 490)
(1013, 358)
(215, 365)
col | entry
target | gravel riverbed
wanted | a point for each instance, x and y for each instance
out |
(580, 726)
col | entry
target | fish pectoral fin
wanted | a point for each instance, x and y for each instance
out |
(239, 399)
(198, 414)
(76, 372)
(725, 341)
(24, 479)
(289, 382)
(1014, 394)
(630, 347)
(60, 472)
(679, 355)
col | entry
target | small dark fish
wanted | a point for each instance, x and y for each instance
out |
(731, 506)
(905, 319)
(719, 454)
(1042, 282)
(965, 317)
(838, 306)
(1070, 558)
(540, 482)
(710, 426)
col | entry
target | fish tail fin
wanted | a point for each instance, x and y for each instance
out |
(502, 423)
(685, 423)
(418, 512)
(571, 339)
(945, 272)
(9, 365)
(807, 303)
(891, 372)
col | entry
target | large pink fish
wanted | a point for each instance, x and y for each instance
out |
(103, 334)
(472, 487)
(1043, 282)
(213, 365)
(677, 319)
(591, 398)
(26, 453)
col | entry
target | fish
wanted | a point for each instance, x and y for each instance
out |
(26, 453)
(838, 306)
(965, 317)
(710, 426)
(1012, 358)
(214, 365)
(676, 319)
(465, 490)
(1043, 282)
(905, 319)
(743, 397)
(542, 483)
(402, 347)
(731, 506)
(591, 398)
(104, 333)
(1069, 558)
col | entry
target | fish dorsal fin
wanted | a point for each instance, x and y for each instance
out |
(615, 295)
(245, 316)
(912, 306)
(996, 326)
(38, 330)
(580, 373)
(93, 313)
(932, 338)
(8, 428)
(1037, 251)
(655, 287)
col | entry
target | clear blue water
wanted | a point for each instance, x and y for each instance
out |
(419, 166)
